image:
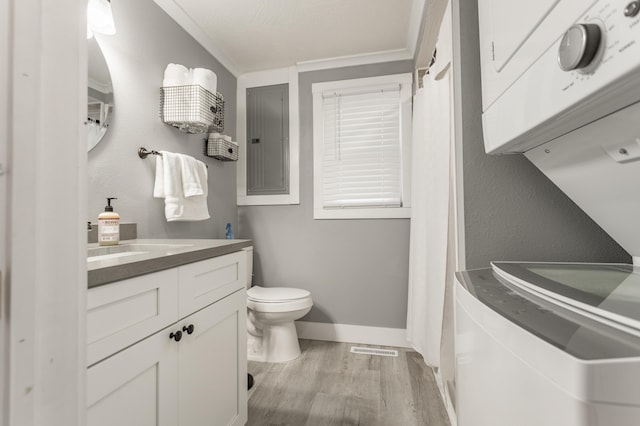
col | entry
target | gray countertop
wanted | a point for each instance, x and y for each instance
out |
(132, 258)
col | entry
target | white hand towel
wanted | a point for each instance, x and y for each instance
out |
(158, 188)
(194, 176)
(169, 185)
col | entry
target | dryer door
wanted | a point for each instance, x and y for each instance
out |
(512, 23)
(514, 34)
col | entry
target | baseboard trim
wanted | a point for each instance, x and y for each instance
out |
(446, 398)
(347, 333)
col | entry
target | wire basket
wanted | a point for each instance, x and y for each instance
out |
(222, 149)
(192, 109)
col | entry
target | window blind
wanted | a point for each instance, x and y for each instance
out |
(362, 157)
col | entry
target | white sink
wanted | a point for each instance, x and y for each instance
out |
(122, 250)
(93, 258)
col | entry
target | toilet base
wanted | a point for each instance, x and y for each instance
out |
(278, 343)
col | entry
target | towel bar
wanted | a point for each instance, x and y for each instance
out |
(143, 153)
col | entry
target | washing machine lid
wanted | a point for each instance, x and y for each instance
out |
(609, 291)
(276, 294)
(581, 336)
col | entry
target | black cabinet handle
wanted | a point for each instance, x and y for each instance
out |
(188, 328)
(176, 336)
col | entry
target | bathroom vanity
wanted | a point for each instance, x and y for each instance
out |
(166, 328)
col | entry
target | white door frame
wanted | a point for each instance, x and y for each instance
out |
(259, 79)
(44, 255)
(4, 134)
(461, 263)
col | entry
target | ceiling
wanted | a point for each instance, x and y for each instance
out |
(253, 35)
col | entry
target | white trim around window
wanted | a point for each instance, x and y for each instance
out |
(324, 91)
(259, 79)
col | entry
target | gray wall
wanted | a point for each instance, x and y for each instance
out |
(511, 210)
(146, 41)
(356, 270)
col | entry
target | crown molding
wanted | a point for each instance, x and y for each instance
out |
(99, 86)
(416, 24)
(182, 18)
(354, 60)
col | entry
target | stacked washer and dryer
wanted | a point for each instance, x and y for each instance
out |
(555, 343)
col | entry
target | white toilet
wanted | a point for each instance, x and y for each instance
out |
(271, 312)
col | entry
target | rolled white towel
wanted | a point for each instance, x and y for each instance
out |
(208, 80)
(175, 108)
(176, 75)
(205, 78)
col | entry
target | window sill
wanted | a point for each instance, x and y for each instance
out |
(379, 213)
(267, 200)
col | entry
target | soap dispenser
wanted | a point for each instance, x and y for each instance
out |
(109, 226)
(230, 235)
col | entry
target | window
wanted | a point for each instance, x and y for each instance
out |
(362, 142)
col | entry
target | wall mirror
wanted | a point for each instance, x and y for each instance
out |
(100, 95)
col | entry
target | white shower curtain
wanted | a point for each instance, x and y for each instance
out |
(431, 216)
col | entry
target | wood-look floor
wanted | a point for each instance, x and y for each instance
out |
(329, 385)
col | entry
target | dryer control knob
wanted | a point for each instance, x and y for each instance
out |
(579, 46)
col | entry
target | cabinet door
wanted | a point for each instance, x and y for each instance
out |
(212, 364)
(136, 387)
(205, 282)
(124, 312)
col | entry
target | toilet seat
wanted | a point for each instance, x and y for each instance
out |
(276, 294)
(278, 299)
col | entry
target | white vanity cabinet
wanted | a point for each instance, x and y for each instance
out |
(136, 387)
(140, 377)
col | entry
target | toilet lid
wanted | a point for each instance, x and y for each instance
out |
(276, 294)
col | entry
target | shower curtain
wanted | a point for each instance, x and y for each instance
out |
(431, 263)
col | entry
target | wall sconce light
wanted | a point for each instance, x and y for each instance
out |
(100, 18)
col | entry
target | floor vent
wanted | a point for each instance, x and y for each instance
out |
(374, 351)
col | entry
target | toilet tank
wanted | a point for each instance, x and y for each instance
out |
(249, 252)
